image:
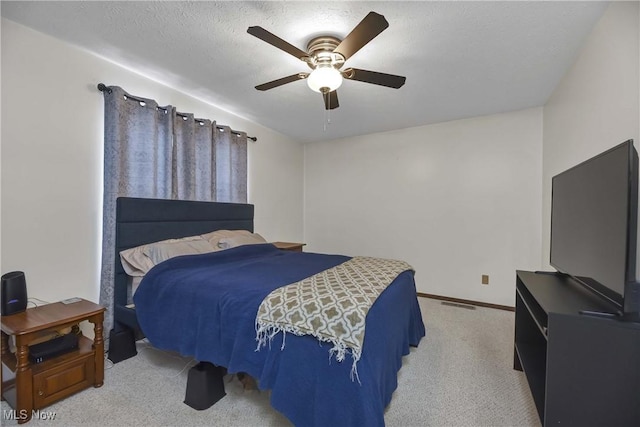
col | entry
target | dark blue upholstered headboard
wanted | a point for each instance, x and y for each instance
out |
(141, 221)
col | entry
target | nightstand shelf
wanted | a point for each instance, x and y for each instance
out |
(27, 387)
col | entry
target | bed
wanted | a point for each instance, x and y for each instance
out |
(213, 316)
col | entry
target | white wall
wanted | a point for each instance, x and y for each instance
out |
(52, 133)
(456, 200)
(596, 105)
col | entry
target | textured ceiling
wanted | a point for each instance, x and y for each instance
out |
(461, 59)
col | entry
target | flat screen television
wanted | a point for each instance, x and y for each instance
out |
(594, 209)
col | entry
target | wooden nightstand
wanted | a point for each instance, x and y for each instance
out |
(289, 246)
(28, 387)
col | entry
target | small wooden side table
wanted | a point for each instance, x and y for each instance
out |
(34, 386)
(289, 246)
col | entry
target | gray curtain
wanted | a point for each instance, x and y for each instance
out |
(231, 165)
(155, 152)
(193, 161)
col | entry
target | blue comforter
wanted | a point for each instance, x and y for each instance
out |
(205, 306)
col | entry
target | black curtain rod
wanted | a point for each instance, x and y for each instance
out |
(102, 88)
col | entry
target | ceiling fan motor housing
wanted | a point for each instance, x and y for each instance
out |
(321, 51)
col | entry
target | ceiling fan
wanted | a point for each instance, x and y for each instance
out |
(327, 54)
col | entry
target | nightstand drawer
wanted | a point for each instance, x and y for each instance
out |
(63, 380)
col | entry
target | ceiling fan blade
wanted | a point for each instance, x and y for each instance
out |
(372, 25)
(276, 41)
(382, 79)
(282, 81)
(330, 100)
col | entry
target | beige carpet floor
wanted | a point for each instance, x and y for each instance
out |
(460, 375)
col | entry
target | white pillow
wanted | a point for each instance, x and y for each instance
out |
(232, 242)
(137, 261)
(162, 251)
(214, 237)
(134, 262)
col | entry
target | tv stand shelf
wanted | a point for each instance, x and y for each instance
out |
(582, 370)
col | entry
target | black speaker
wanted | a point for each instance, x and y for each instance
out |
(13, 293)
(122, 345)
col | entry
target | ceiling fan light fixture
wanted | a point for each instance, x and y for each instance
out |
(324, 79)
(326, 56)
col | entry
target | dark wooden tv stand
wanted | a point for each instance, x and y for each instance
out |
(582, 365)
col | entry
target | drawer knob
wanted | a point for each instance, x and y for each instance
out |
(40, 392)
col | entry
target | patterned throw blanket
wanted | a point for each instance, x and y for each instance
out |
(331, 305)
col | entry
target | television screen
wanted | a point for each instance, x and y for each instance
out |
(593, 221)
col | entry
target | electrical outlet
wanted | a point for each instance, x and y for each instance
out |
(485, 279)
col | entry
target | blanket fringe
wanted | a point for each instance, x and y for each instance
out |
(266, 332)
